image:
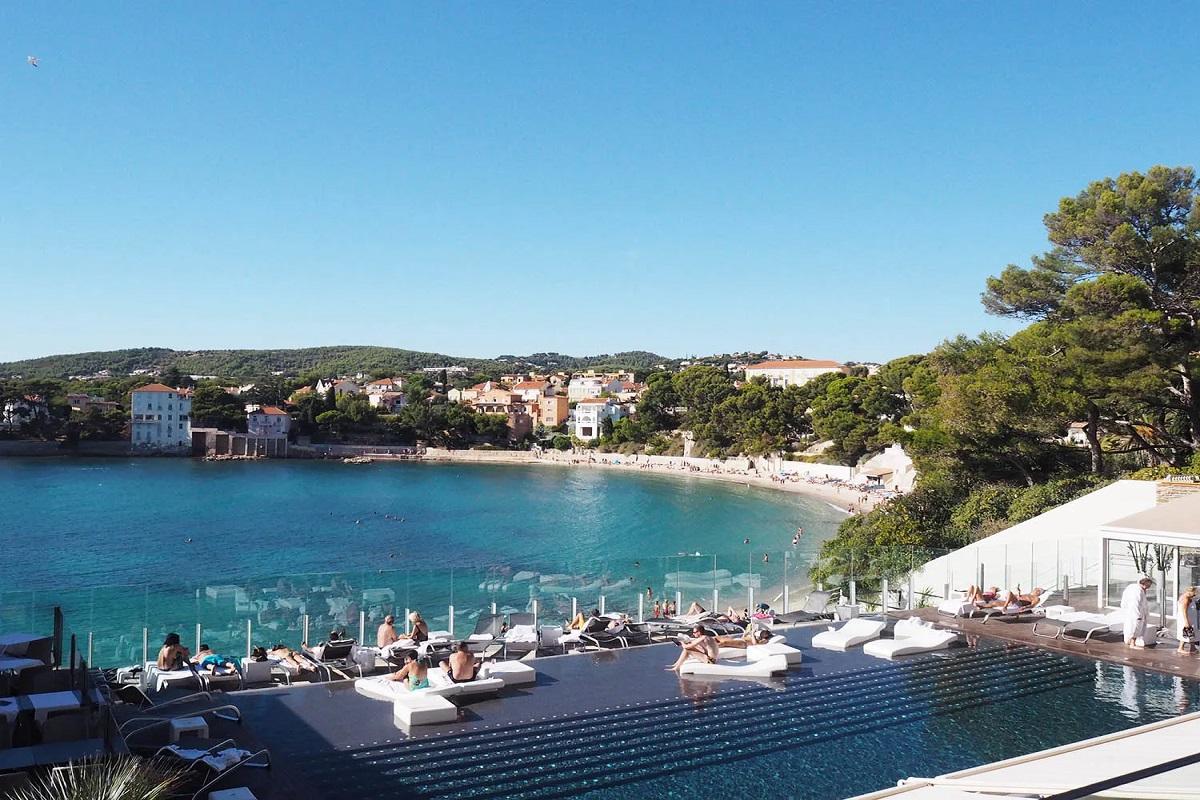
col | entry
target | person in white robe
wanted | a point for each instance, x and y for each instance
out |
(1136, 610)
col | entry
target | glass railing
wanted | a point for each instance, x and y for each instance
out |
(113, 625)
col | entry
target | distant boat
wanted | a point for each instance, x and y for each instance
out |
(358, 460)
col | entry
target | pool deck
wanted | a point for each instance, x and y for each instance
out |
(1111, 648)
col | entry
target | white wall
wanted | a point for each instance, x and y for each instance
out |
(1039, 551)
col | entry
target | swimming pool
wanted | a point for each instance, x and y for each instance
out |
(835, 733)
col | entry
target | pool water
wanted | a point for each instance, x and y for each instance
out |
(821, 736)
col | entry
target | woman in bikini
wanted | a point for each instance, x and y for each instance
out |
(414, 672)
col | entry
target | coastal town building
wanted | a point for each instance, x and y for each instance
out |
(590, 415)
(160, 417)
(385, 386)
(533, 390)
(268, 421)
(553, 410)
(793, 372)
(583, 387)
(386, 401)
(85, 403)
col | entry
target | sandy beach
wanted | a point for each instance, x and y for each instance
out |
(848, 500)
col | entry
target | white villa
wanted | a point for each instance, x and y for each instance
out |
(160, 417)
(589, 414)
(792, 372)
(585, 387)
(268, 421)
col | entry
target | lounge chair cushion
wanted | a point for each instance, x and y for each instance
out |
(759, 652)
(417, 708)
(853, 633)
(512, 673)
(765, 668)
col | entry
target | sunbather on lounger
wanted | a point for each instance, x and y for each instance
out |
(208, 661)
(460, 667)
(173, 653)
(979, 596)
(1014, 600)
(419, 631)
(413, 672)
(695, 608)
(386, 635)
(702, 647)
(289, 658)
(745, 640)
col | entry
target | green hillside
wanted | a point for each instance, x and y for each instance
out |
(340, 359)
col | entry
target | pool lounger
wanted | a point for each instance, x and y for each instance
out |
(815, 608)
(911, 637)
(439, 686)
(765, 668)
(1017, 612)
(855, 632)
(1080, 622)
(777, 646)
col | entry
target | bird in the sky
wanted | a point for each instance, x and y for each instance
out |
(33, 60)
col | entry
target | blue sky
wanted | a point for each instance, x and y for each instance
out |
(819, 179)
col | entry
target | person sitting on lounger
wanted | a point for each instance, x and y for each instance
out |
(460, 667)
(386, 635)
(420, 630)
(695, 608)
(413, 672)
(173, 654)
(701, 647)
(578, 623)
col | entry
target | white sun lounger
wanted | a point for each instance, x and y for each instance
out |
(912, 636)
(855, 632)
(379, 688)
(776, 646)
(764, 668)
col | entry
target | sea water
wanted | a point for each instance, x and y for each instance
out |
(162, 542)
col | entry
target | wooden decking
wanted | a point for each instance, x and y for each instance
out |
(1111, 648)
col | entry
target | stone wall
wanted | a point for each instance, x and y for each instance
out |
(27, 447)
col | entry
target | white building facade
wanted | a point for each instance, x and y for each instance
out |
(590, 415)
(793, 372)
(268, 421)
(585, 387)
(160, 418)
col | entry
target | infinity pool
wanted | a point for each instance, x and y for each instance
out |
(619, 727)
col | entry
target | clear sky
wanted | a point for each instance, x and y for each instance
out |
(832, 180)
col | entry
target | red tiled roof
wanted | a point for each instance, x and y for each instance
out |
(797, 364)
(599, 400)
(155, 387)
(276, 410)
(531, 385)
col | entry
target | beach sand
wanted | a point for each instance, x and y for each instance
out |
(845, 500)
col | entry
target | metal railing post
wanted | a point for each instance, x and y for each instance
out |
(362, 626)
(574, 607)
(883, 597)
(89, 648)
(145, 657)
(249, 639)
(750, 598)
(602, 605)
(493, 607)
(451, 622)
(1066, 590)
(304, 630)
(853, 593)
(198, 638)
(535, 613)
(786, 604)
(678, 601)
(641, 606)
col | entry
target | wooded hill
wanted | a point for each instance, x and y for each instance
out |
(341, 359)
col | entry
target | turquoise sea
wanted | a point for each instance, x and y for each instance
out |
(166, 543)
